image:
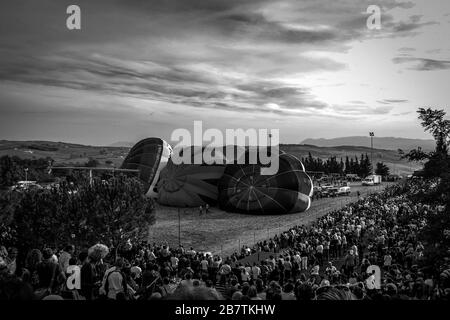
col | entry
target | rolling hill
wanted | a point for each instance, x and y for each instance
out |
(77, 154)
(64, 153)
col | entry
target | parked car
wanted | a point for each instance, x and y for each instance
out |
(317, 189)
(333, 192)
(344, 191)
(26, 185)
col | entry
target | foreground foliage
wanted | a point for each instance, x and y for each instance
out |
(108, 212)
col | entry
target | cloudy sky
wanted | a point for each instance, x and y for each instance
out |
(138, 68)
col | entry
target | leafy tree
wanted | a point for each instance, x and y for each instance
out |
(347, 165)
(382, 169)
(436, 233)
(92, 163)
(433, 121)
(82, 214)
(437, 162)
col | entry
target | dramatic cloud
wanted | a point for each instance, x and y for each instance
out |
(422, 64)
(389, 101)
(152, 66)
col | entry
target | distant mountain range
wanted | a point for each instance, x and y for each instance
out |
(125, 144)
(386, 143)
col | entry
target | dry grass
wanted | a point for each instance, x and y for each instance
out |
(224, 232)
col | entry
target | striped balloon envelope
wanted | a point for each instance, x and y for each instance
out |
(149, 156)
(189, 184)
(243, 189)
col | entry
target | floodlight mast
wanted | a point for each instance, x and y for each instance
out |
(371, 134)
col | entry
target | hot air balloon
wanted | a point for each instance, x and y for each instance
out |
(149, 156)
(189, 184)
(243, 189)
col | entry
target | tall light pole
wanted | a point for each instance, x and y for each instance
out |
(26, 174)
(371, 148)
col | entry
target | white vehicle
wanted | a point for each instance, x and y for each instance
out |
(343, 191)
(371, 180)
(25, 185)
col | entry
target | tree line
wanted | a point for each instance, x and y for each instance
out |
(12, 170)
(352, 165)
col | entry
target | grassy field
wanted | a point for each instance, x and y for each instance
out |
(223, 232)
(64, 154)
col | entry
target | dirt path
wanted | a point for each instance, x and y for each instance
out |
(224, 232)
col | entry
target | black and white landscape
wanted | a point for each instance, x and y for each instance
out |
(347, 101)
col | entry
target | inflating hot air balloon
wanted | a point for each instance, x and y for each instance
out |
(149, 156)
(243, 189)
(189, 185)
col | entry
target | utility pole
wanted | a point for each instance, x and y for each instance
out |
(371, 149)
(179, 228)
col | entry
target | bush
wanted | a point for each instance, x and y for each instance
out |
(85, 214)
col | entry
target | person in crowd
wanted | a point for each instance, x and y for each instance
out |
(334, 293)
(114, 284)
(88, 275)
(50, 274)
(10, 260)
(65, 256)
(305, 262)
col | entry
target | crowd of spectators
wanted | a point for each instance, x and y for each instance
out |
(369, 249)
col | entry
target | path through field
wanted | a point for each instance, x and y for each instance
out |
(223, 232)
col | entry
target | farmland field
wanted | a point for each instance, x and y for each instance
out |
(225, 232)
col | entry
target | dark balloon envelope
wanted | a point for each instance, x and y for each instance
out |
(189, 185)
(243, 189)
(149, 156)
